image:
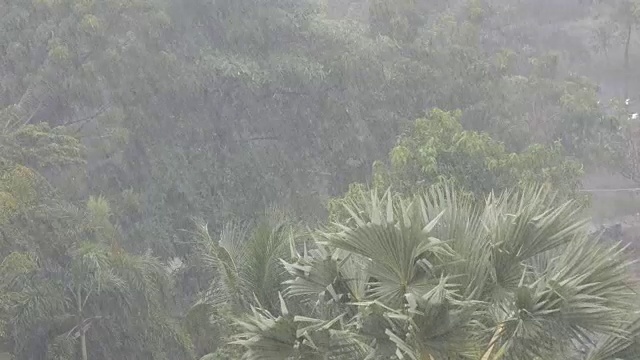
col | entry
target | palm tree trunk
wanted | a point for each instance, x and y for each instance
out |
(492, 344)
(626, 60)
(83, 337)
(83, 345)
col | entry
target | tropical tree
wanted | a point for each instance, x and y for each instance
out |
(244, 268)
(80, 293)
(436, 148)
(442, 276)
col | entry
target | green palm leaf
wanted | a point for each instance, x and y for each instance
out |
(441, 276)
(625, 347)
(269, 337)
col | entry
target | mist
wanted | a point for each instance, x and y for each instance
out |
(319, 179)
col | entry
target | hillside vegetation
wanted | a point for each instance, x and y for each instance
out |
(316, 179)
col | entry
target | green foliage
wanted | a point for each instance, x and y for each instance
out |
(41, 147)
(222, 108)
(437, 149)
(400, 20)
(447, 277)
(66, 284)
(618, 144)
(120, 120)
(246, 266)
(297, 337)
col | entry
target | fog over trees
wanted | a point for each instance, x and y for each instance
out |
(319, 179)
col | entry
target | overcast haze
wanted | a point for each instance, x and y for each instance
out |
(319, 179)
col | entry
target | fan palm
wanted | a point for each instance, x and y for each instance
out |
(619, 347)
(246, 263)
(440, 276)
(298, 337)
(246, 266)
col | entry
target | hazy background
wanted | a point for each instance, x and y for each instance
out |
(165, 110)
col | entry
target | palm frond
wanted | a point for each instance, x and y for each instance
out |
(287, 336)
(440, 325)
(553, 278)
(220, 258)
(268, 337)
(395, 239)
(262, 271)
(625, 347)
(460, 225)
(442, 275)
(315, 275)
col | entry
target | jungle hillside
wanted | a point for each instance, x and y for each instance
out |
(319, 179)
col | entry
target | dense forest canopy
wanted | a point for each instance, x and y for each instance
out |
(316, 179)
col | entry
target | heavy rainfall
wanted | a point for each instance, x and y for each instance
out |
(319, 179)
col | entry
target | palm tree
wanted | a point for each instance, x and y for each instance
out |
(107, 286)
(245, 264)
(89, 298)
(440, 276)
